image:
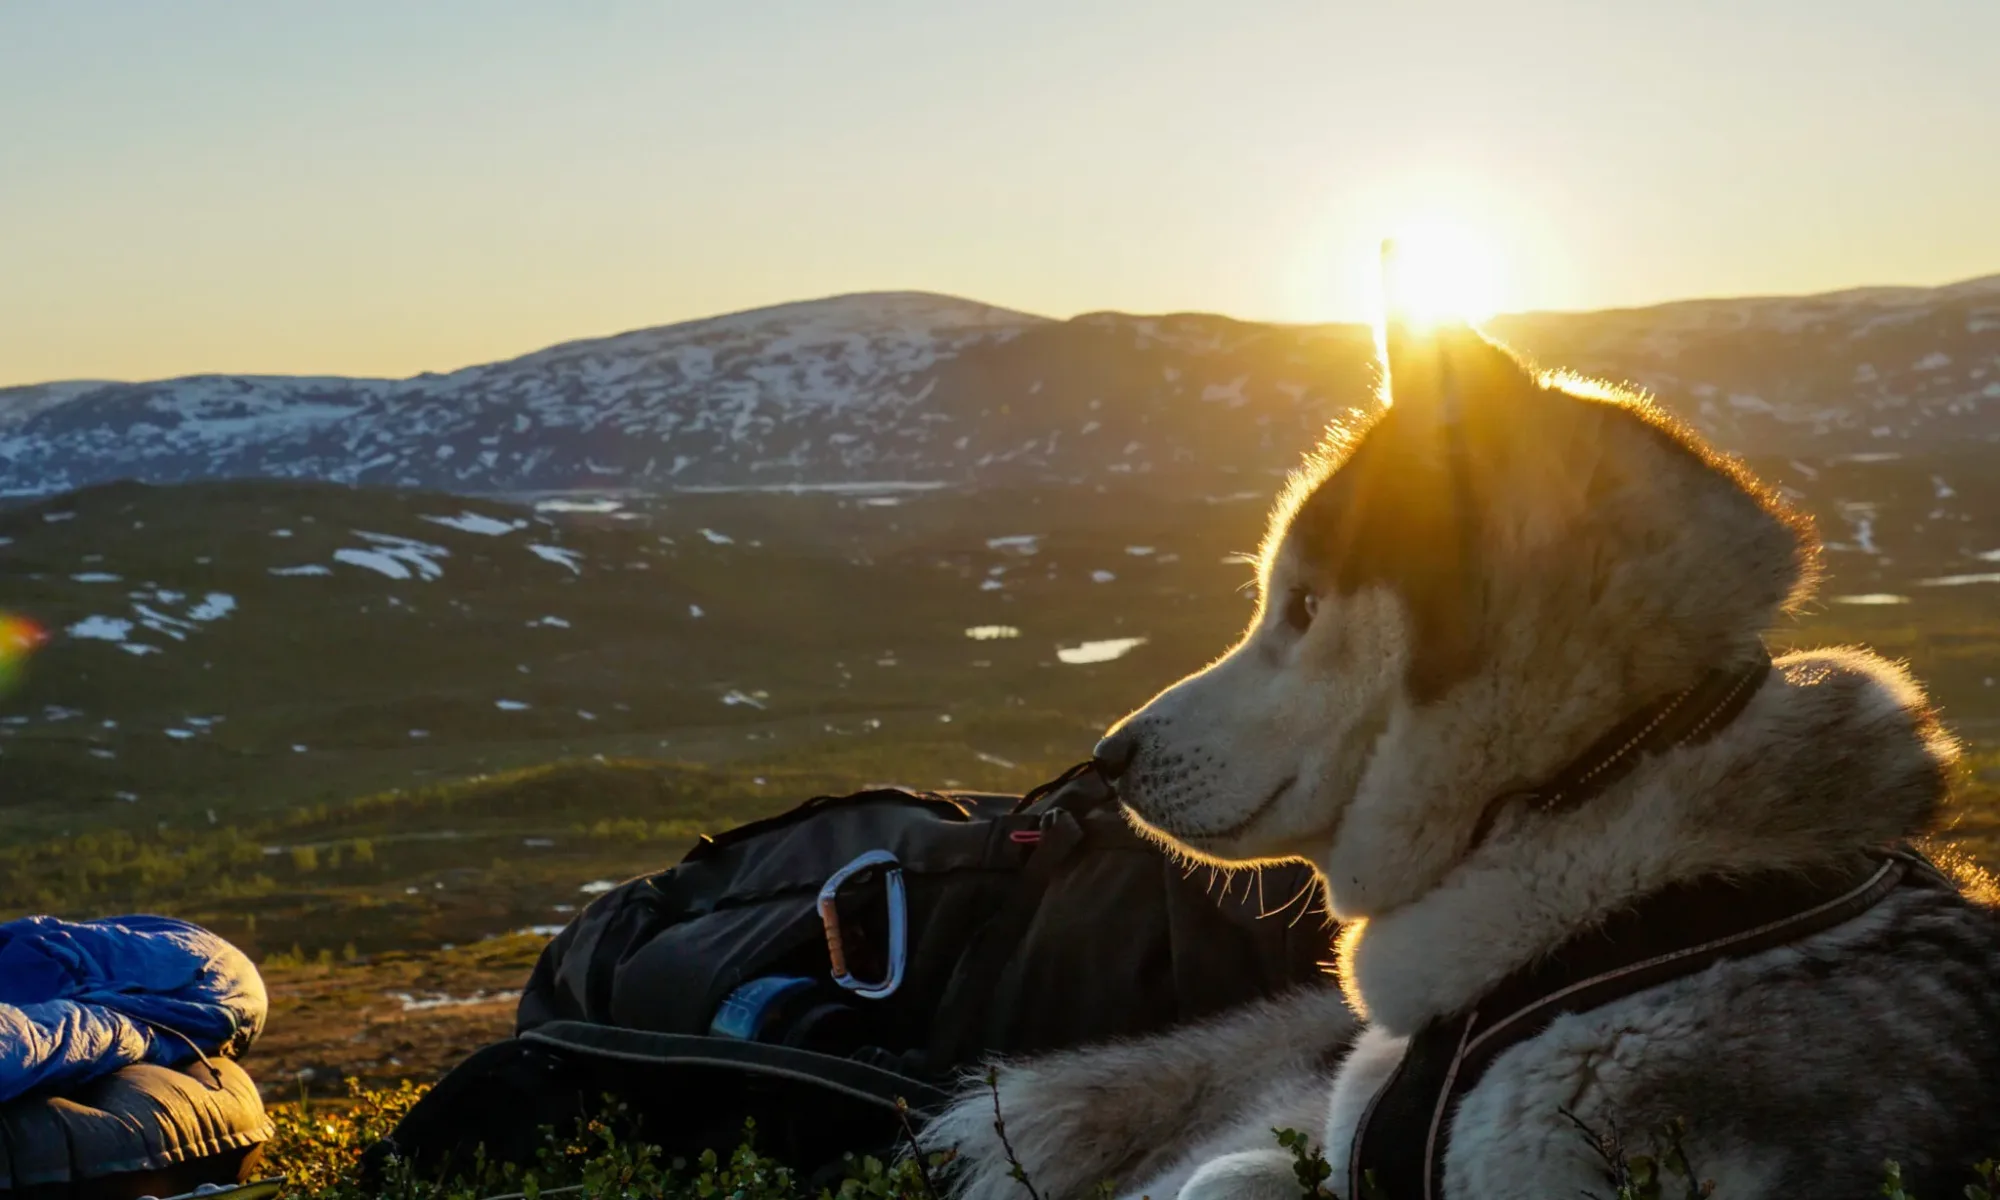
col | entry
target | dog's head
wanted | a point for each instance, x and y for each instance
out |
(1456, 597)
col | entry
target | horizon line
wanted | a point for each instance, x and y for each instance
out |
(1857, 290)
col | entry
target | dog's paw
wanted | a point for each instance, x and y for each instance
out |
(982, 1166)
(1046, 1135)
(1246, 1175)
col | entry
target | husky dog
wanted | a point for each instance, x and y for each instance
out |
(1459, 597)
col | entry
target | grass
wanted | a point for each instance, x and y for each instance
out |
(452, 862)
(408, 867)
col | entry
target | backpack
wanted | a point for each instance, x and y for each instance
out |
(833, 971)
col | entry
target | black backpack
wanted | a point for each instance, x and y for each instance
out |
(965, 927)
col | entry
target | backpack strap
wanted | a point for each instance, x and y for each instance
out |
(860, 1081)
(1399, 1145)
(1081, 787)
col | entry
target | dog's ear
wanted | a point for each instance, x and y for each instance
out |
(1448, 375)
(1465, 409)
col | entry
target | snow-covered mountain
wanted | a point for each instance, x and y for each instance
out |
(1869, 370)
(903, 386)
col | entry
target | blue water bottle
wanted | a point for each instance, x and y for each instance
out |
(744, 1012)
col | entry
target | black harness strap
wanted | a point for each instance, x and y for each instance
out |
(1399, 1146)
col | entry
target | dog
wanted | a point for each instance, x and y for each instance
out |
(1459, 597)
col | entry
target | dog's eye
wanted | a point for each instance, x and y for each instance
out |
(1299, 609)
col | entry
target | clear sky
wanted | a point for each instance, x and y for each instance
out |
(388, 186)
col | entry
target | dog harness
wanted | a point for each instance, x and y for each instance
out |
(1399, 1145)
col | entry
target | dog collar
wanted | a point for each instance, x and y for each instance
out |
(1686, 718)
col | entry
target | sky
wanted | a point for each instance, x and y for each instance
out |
(381, 187)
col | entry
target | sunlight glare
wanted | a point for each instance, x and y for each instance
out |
(1438, 271)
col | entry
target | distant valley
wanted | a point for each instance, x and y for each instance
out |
(236, 646)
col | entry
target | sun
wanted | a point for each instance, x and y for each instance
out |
(1436, 270)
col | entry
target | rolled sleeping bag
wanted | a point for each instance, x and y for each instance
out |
(145, 1130)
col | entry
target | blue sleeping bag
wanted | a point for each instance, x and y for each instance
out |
(79, 999)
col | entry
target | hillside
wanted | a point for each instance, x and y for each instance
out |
(908, 386)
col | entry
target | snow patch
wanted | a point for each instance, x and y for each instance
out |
(101, 629)
(395, 557)
(472, 522)
(213, 607)
(425, 1001)
(1102, 650)
(1230, 393)
(557, 555)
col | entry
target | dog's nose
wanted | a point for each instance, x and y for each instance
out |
(1115, 753)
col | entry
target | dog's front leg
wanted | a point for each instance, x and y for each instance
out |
(1147, 1110)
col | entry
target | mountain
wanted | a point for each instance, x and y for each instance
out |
(909, 386)
(1871, 370)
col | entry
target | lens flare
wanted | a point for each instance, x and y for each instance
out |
(19, 638)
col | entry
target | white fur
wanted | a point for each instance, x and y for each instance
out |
(1244, 1175)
